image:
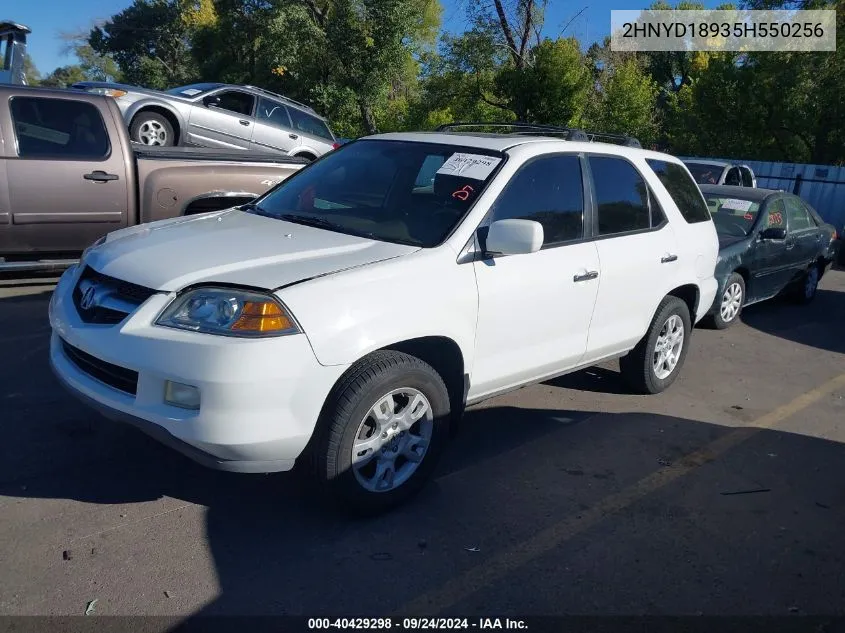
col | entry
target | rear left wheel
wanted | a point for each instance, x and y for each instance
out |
(383, 431)
(805, 292)
(656, 361)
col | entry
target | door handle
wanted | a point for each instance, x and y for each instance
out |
(243, 122)
(668, 258)
(294, 136)
(586, 276)
(100, 176)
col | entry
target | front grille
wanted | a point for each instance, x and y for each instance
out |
(115, 376)
(127, 295)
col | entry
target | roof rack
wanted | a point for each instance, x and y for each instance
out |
(528, 129)
(282, 98)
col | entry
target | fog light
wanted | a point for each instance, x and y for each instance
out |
(180, 395)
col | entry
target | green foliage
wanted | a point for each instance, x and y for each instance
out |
(383, 65)
(64, 77)
(150, 42)
(551, 88)
(31, 74)
(624, 102)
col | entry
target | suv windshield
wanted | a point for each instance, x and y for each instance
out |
(192, 90)
(395, 191)
(731, 215)
(705, 174)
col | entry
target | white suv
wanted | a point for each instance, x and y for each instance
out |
(345, 318)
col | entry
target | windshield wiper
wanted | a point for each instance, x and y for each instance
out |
(309, 220)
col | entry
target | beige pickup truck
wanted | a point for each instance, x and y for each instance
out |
(69, 174)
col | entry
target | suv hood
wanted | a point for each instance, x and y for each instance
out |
(232, 247)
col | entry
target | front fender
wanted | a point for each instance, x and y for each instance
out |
(148, 102)
(349, 314)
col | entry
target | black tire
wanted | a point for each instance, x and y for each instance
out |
(638, 365)
(347, 407)
(805, 292)
(716, 319)
(146, 117)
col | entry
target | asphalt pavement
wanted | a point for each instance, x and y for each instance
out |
(723, 495)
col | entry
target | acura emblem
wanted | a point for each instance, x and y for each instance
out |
(89, 298)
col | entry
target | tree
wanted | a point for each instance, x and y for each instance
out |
(96, 67)
(624, 102)
(550, 88)
(150, 42)
(30, 72)
(64, 77)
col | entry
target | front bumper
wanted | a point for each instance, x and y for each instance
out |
(260, 399)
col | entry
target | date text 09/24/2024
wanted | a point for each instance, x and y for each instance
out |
(411, 624)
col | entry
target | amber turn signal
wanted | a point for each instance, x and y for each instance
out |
(265, 316)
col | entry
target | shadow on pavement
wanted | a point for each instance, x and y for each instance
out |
(512, 476)
(819, 324)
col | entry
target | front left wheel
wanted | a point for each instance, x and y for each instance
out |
(383, 430)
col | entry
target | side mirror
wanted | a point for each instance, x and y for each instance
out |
(514, 237)
(776, 233)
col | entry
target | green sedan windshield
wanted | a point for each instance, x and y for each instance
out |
(732, 216)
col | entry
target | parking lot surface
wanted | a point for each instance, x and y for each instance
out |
(723, 495)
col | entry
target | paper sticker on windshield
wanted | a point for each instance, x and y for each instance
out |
(475, 166)
(739, 205)
(191, 92)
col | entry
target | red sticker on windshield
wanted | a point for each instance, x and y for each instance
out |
(748, 216)
(463, 193)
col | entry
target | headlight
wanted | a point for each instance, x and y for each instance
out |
(94, 245)
(109, 92)
(228, 312)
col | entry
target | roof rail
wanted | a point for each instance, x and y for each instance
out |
(520, 128)
(281, 98)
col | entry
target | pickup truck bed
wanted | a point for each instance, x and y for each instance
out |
(211, 153)
(69, 174)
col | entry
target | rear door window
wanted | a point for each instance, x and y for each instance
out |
(683, 190)
(622, 196)
(48, 127)
(272, 113)
(747, 178)
(797, 216)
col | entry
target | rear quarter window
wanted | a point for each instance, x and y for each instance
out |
(683, 190)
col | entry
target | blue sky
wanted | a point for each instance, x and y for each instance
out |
(48, 18)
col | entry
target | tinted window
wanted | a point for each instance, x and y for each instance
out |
(59, 127)
(682, 188)
(776, 214)
(308, 124)
(733, 177)
(273, 113)
(732, 215)
(621, 195)
(747, 180)
(234, 101)
(799, 219)
(705, 174)
(549, 191)
(368, 188)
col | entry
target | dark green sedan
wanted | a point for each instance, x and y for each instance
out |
(770, 243)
